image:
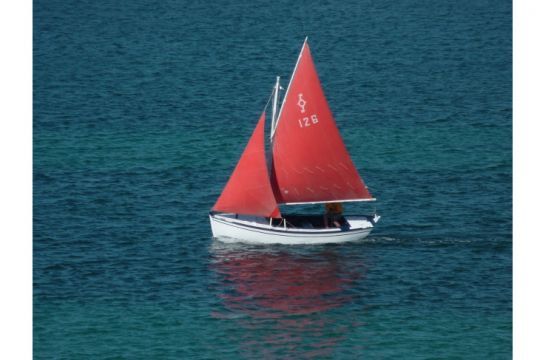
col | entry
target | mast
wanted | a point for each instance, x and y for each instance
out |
(274, 107)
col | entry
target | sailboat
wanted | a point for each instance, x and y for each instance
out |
(308, 164)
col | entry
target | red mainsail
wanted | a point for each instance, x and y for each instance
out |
(310, 161)
(248, 190)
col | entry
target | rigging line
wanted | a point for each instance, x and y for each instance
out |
(269, 98)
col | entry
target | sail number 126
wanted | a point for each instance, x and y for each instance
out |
(308, 121)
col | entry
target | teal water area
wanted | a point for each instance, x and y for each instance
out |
(141, 110)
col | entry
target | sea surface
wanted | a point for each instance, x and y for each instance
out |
(141, 110)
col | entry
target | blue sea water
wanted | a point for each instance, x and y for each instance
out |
(141, 110)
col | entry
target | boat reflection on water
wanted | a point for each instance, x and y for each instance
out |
(286, 299)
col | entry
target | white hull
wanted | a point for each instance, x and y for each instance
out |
(250, 229)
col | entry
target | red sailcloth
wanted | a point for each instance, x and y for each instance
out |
(310, 161)
(248, 190)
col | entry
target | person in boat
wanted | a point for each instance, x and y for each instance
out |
(333, 214)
